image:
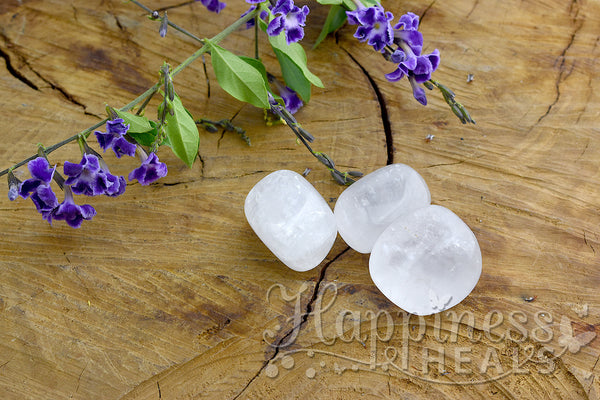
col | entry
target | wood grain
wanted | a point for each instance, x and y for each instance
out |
(166, 293)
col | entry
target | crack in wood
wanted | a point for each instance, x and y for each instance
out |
(16, 73)
(295, 328)
(422, 16)
(472, 9)
(561, 74)
(385, 119)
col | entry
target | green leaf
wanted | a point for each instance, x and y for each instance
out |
(295, 52)
(261, 68)
(366, 3)
(182, 133)
(335, 20)
(137, 123)
(329, 2)
(293, 75)
(144, 138)
(238, 78)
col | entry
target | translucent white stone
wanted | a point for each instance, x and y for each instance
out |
(427, 261)
(292, 219)
(365, 209)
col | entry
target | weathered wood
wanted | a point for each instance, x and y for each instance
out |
(165, 294)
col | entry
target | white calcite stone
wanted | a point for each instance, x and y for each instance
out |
(367, 207)
(292, 219)
(427, 261)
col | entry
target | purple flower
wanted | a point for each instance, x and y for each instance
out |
(408, 22)
(426, 64)
(289, 18)
(411, 63)
(70, 212)
(150, 170)
(41, 174)
(38, 187)
(374, 26)
(45, 201)
(409, 41)
(113, 138)
(213, 5)
(406, 62)
(250, 24)
(92, 177)
(290, 98)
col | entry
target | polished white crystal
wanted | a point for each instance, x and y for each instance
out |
(426, 261)
(365, 209)
(292, 219)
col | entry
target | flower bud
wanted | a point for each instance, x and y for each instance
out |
(13, 186)
(164, 24)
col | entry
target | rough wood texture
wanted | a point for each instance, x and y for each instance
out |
(165, 294)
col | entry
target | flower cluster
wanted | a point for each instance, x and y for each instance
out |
(287, 17)
(90, 177)
(374, 27)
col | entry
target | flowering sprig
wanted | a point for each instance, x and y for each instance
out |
(401, 44)
(244, 78)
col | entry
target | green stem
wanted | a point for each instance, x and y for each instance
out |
(86, 132)
(256, 38)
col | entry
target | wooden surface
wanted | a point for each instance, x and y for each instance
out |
(165, 294)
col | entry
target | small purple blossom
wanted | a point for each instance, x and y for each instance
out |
(408, 22)
(150, 170)
(92, 177)
(374, 26)
(70, 212)
(426, 64)
(38, 187)
(250, 24)
(290, 98)
(113, 138)
(45, 201)
(289, 18)
(409, 41)
(410, 62)
(213, 5)
(41, 174)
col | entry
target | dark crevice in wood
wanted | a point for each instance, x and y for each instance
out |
(17, 74)
(295, 328)
(422, 16)
(385, 119)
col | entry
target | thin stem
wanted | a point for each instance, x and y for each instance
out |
(86, 132)
(171, 24)
(256, 37)
(145, 103)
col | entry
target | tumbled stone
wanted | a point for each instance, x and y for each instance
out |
(292, 219)
(426, 261)
(367, 207)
